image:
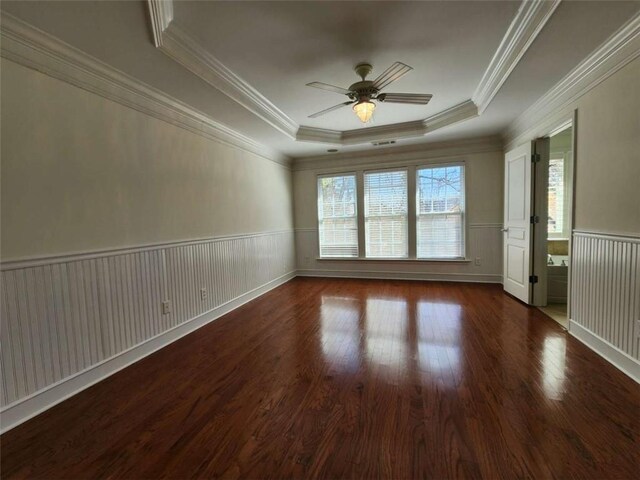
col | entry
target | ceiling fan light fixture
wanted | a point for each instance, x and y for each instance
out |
(364, 110)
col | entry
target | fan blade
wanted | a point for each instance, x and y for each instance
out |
(391, 74)
(409, 98)
(331, 109)
(330, 88)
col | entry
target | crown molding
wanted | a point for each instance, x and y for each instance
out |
(525, 27)
(180, 46)
(400, 154)
(161, 12)
(319, 135)
(616, 52)
(418, 128)
(26, 45)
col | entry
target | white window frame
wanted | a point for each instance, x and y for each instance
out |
(357, 216)
(566, 166)
(412, 218)
(408, 216)
(464, 216)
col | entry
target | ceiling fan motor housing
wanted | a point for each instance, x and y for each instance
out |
(363, 89)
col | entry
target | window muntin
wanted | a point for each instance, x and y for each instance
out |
(337, 216)
(386, 214)
(440, 212)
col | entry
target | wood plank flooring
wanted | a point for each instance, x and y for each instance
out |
(335, 378)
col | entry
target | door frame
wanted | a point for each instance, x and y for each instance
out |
(564, 122)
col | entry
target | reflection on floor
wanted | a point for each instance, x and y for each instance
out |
(355, 379)
(558, 312)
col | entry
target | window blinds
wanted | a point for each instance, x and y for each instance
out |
(337, 216)
(556, 198)
(385, 212)
(440, 212)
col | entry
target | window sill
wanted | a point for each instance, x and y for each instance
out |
(402, 260)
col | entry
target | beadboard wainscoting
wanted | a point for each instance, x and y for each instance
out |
(68, 322)
(605, 297)
(484, 243)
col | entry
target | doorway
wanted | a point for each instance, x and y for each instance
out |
(553, 194)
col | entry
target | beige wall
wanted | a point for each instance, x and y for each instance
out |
(484, 186)
(608, 155)
(607, 197)
(82, 173)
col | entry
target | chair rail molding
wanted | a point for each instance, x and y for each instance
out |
(71, 320)
(617, 51)
(532, 16)
(29, 46)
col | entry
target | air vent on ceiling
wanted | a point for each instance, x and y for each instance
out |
(383, 142)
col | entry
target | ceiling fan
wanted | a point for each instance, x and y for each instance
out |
(361, 94)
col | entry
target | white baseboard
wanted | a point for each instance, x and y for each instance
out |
(18, 412)
(613, 355)
(395, 275)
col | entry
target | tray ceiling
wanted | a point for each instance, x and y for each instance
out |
(252, 59)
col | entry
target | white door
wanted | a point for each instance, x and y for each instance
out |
(517, 229)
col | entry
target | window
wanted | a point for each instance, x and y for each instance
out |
(385, 214)
(556, 199)
(440, 212)
(337, 216)
(388, 225)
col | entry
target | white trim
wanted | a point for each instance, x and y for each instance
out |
(419, 128)
(622, 237)
(28, 46)
(616, 52)
(36, 261)
(623, 362)
(532, 16)
(320, 135)
(398, 275)
(18, 412)
(177, 44)
(161, 13)
(463, 111)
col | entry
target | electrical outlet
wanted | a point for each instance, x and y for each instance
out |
(166, 307)
(478, 261)
(203, 294)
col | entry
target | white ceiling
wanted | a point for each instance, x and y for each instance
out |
(278, 47)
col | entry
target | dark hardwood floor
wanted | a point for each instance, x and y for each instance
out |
(327, 378)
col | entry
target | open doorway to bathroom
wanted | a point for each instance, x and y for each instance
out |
(553, 194)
